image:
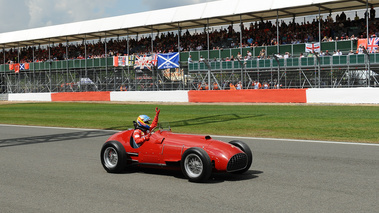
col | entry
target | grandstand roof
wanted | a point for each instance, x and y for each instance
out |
(215, 13)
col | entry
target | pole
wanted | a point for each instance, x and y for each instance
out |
(179, 34)
(34, 74)
(241, 27)
(368, 55)
(209, 70)
(18, 74)
(152, 42)
(66, 64)
(277, 44)
(319, 40)
(51, 85)
(277, 31)
(127, 52)
(85, 63)
(152, 52)
(106, 64)
(4, 68)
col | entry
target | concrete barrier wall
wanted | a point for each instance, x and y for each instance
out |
(158, 96)
(249, 96)
(344, 96)
(80, 96)
(332, 96)
(29, 97)
(3, 97)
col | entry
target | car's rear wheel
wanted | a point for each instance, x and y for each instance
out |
(196, 164)
(113, 157)
(246, 149)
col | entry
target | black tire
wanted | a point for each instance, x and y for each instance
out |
(113, 157)
(246, 149)
(196, 164)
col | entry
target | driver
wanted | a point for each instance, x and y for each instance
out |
(143, 129)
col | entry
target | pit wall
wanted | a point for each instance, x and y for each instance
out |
(325, 96)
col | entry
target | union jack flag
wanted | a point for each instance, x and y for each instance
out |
(373, 45)
(144, 62)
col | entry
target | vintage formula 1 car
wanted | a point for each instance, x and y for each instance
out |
(197, 156)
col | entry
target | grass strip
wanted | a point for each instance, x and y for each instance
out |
(311, 122)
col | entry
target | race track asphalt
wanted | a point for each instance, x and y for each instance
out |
(59, 170)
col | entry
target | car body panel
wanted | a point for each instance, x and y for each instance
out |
(165, 147)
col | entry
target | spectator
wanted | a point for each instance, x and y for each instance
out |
(249, 56)
(239, 85)
(201, 59)
(256, 85)
(190, 59)
(266, 85)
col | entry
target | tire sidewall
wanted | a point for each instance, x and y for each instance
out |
(246, 149)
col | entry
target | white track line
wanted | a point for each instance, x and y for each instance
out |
(233, 137)
(298, 140)
(48, 127)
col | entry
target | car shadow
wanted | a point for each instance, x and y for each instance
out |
(53, 138)
(229, 177)
(214, 179)
(198, 121)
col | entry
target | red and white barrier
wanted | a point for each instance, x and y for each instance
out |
(329, 95)
(156, 96)
(344, 96)
(30, 97)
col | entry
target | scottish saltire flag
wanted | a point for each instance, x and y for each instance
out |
(372, 45)
(22, 66)
(312, 47)
(168, 60)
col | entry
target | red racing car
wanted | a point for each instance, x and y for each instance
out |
(197, 156)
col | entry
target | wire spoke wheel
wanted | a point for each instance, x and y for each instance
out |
(193, 165)
(110, 157)
(196, 164)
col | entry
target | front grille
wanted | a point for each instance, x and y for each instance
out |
(237, 162)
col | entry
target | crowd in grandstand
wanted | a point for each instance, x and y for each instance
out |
(262, 33)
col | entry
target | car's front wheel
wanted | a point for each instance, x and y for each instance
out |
(196, 164)
(113, 157)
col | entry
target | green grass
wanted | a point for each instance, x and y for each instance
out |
(334, 123)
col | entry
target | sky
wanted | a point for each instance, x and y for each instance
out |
(26, 14)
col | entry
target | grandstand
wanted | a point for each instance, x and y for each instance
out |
(80, 56)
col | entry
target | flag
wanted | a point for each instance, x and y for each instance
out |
(312, 47)
(168, 60)
(143, 62)
(16, 68)
(24, 66)
(115, 61)
(372, 45)
(154, 61)
(122, 61)
(361, 43)
(11, 66)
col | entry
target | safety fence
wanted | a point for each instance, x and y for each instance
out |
(341, 60)
(293, 49)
